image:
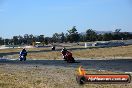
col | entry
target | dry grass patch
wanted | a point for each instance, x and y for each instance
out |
(31, 76)
(46, 53)
(122, 51)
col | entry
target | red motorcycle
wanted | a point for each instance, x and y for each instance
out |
(67, 56)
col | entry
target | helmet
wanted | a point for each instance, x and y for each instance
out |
(64, 49)
(23, 49)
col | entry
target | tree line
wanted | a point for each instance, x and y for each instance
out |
(72, 35)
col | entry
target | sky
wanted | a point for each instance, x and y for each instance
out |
(19, 17)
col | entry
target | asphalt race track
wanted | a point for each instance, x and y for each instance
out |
(123, 65)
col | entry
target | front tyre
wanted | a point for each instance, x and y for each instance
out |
(20, 58)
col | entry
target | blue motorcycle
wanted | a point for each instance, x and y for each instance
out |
(22, 58)
(22, 55)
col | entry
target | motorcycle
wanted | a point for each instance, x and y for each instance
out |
(22, 58)
(67, 56)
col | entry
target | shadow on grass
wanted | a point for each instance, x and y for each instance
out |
(124, 65)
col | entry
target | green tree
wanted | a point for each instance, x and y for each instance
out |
(82, 38)
(6, 41)
(73, 35)
(117, 30)
(56, 37)
(15, 40)
(100, 37)
(1, 41)
(41, 39)
(107, 37)
(63, 38)
(47, 40)
(91, 35)
(26, 39)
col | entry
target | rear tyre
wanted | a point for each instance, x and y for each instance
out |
(24, 58)
(73, 60)
(70, 60)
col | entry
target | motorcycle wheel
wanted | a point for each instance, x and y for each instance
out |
(24, 58)
(71, 60)
(65, 59)
(20, 58)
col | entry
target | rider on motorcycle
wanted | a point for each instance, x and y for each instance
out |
(67, 55)
(64, 51)
(23, 54)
